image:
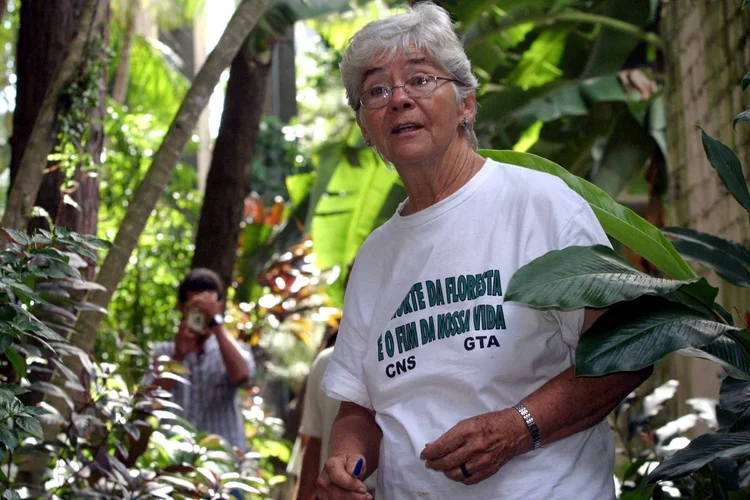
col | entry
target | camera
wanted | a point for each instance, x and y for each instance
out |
(196, 321)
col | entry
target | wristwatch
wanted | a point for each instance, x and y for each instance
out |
(217, 320)
(530, 423)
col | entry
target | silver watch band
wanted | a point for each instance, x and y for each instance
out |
(530, 423)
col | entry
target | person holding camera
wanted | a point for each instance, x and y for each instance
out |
(217, 365)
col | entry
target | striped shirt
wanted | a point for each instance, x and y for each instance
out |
(211, 401)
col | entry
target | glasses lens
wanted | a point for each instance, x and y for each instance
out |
(376, 97)
(421, 85)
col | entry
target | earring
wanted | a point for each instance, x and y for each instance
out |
(465, 123)
(368, 142)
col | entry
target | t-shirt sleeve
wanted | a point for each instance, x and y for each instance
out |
(312, 420)
(582, 229)
(344, 378)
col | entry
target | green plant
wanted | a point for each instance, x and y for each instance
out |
(91, 455)
(650, 317)
(90, 448)
(645, 438)
(143, 308)
(39, 283)
(78, 99)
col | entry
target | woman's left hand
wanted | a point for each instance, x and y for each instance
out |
(483, 444)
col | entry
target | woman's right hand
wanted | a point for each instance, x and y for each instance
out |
(336, 481)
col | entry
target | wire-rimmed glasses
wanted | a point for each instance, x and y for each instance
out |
(418, 87)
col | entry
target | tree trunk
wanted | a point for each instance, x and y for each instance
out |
(120, 84)
(231, 164)
(46, 31)
(28, 174)
(165, 159)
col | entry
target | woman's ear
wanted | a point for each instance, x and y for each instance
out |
(366, 136)
(468, 109)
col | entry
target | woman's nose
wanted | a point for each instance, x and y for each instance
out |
(401, 99)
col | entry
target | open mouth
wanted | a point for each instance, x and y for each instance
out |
(406, 127)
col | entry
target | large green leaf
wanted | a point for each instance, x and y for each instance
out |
(625, 154)
(701, 451)
(328, 158)
(551, 101)
(734, 395)
(725, 352)
(729, 168)
(349, 210)
(730, 260)
(741, 117)
(618, 221)
(469, 10)
(158, 85)
(634, 335)
(577, 277)
(612, 46)
(29, 424)
(9, 438)
(538, 64)
(312, 8)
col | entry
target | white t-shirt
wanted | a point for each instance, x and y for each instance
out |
(426, 340)
(319, 410)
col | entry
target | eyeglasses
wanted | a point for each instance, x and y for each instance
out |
(418, 87)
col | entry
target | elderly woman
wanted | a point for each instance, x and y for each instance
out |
(448, 392)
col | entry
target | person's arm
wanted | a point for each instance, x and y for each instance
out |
(234, 361)
(238, 368)
(354, 435)
(562, 407)
(310, 466)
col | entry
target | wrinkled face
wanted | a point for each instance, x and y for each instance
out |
(411, 130)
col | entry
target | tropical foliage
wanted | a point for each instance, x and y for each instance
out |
(315, 193)
(649, 317)
(39, 281)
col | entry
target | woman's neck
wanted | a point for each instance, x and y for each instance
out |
(427, 184)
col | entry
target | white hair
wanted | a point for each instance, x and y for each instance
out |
(424, 26)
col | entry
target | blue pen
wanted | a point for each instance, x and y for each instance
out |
(358, 468)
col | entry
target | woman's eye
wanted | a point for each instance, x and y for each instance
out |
(379, 91)
(420, 81)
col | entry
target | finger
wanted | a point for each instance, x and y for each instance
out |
(476, 477)
(185, 332)
(332, 492)
(473, 466)
(354, 471)
(342, 478)
(448, 442)
(453, 459)
(481, 475)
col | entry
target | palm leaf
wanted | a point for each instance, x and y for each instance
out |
(634, 335)
(702, 451)
(618, 221)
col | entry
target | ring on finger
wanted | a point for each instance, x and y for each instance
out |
(465, 471)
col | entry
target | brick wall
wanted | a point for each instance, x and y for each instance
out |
(706, 55)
